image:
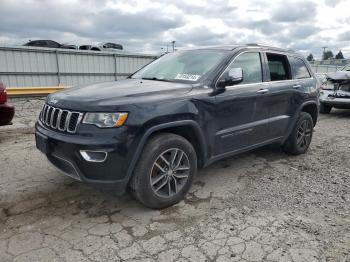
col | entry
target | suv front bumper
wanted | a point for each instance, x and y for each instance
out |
(64, 151)
(328, 98)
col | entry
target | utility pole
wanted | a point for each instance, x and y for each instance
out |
(324, 51)
(173, 43)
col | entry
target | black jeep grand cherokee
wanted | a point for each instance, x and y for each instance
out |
(181, 112)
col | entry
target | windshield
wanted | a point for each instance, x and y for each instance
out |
(188, 65)
(346, 68)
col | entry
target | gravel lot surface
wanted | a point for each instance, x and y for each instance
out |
(258, 206)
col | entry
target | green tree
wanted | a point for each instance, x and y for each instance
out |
(339, 55)
(327, 55)
(310, 57)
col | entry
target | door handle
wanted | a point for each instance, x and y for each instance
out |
(262, 91)
(297, 86)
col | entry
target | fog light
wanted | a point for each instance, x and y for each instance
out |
(94, 156)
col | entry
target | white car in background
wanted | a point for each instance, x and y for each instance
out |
(111, 47)
(108, 47)
(335, 90)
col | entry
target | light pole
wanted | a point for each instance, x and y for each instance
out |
(173, 43)
(324, 52)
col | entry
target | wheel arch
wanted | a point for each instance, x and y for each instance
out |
(188, 129)
(311, 108)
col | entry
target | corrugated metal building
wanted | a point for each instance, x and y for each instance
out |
(32, 67)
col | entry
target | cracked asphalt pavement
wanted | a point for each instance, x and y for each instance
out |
(258, 206)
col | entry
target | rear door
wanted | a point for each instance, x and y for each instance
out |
(282, 98)
(240, 119)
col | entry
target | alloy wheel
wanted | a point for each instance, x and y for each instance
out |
(170, 172)
(304, 134)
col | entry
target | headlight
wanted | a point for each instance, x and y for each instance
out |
(105, 119)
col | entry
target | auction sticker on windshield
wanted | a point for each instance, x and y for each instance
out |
(188, 77)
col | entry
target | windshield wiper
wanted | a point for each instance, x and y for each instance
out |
(156, 79)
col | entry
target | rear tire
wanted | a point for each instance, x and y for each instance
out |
(325, 109)
(299, 140)
(164, 172)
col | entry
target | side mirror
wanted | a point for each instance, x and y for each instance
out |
(232, 77)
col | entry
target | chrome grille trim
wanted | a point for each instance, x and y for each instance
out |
(52, 120)
(59, 124)
(58, 119)
(66, 125)
(46, 114)
(52, 116)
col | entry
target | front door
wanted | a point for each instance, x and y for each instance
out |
(241, 119)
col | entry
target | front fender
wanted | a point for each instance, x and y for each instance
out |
(164, 126)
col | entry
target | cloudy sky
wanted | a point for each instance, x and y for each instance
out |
(148, 25)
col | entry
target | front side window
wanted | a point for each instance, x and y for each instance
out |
(300, 69)
(251, 67)
(279, 67)
(52, 44)
(189, 65)
(84, 47)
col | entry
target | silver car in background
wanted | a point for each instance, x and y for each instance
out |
(335, 90)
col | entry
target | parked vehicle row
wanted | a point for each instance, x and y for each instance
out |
(111, 47)
(151, 132)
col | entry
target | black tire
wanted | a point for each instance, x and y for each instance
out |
(325, 109)
(299, 140)
(149, 169)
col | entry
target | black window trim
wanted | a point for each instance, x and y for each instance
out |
(233, 59)
(268, 69)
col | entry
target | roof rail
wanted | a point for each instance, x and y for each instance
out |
(272, 47)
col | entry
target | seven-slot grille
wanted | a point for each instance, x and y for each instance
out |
(60, 119)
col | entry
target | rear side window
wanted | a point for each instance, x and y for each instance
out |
(251, 67)
(300, 70)
(279, 67)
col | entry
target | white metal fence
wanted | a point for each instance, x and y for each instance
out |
(28, 67)
(326, 68)
(35, 67)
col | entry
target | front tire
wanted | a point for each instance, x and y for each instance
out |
(325, 109)
(164, 172)
(299, 140)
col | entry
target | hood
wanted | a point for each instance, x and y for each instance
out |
(110, 94)
(339, 75)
